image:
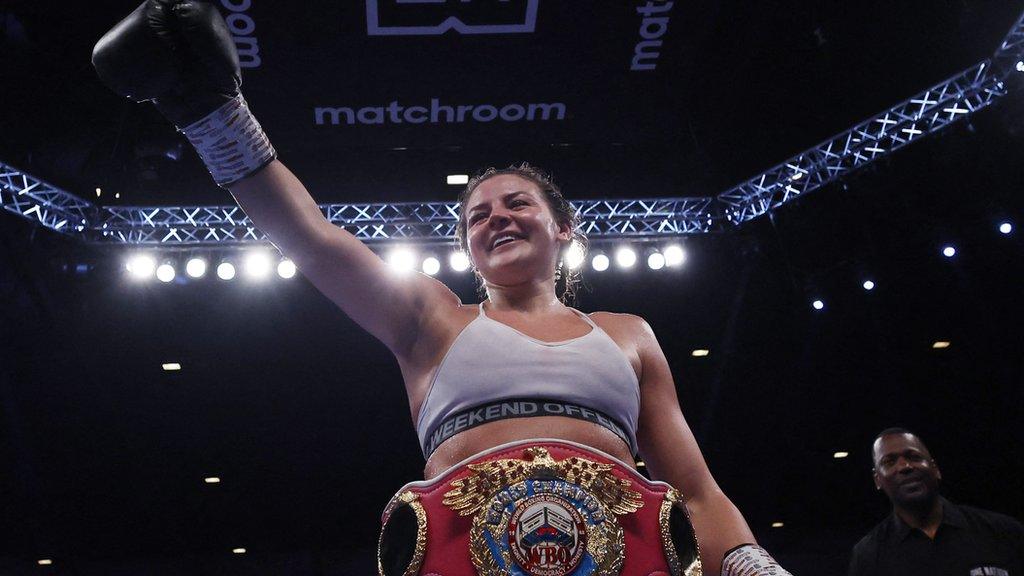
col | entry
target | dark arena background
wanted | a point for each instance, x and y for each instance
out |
(843, 179)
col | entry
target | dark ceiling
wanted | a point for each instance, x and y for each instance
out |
(303, 416)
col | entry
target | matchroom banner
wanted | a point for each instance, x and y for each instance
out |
(386, 74)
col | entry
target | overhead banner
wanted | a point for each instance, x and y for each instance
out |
(400, 73)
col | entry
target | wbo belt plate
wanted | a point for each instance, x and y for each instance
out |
(538, 517)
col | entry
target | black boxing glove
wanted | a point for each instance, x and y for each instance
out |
(180, 55)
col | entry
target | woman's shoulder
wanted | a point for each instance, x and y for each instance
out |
(619, 321)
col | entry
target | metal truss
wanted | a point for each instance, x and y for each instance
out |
(1011, 50)
(419, 222)
(650, 218)
(28, 196)
(909, 121)
(925, 113)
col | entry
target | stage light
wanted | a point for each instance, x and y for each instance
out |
(171, 366)
(142, 267)
(238, 550)
(600, 262)
(656, 261)
(165, 273)
(45, 562)
(949, 251)
(796, 176)
(459, 261)
(457, 179)
(839, 455)
(1006, 228)
(939, 345)
(868, 285)
(212, 480)
(402, 259)
(625, 257)
(1020, 65)
(818, 304)
(777, 524)
(195, 267)
(575, 255)
(98, 192)
(674, 255)
(257, 265)
(640, 464)
(700, 352)
(225, 271)
(431, 266)
(286, 269)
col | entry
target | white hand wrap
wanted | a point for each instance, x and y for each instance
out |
(751, 560)
(230, 142)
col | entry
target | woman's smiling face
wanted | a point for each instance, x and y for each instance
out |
(512, 235)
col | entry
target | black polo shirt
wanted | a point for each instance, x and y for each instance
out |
(969, 542)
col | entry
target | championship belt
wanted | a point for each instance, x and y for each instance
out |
(538, 508)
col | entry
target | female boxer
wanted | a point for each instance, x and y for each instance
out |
(529, 413)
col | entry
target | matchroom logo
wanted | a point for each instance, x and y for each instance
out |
(438, 113)
(435, 17)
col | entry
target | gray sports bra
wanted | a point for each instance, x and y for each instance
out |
(493, 371)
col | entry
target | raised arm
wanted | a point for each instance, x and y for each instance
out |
(671, 454)
(389, 305)
(180, 55)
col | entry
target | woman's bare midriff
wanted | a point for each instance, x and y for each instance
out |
(483, 437)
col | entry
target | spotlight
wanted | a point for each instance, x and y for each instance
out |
(674, 255)
(225, 271)
(238, 550)
(142, 267)
(625, 257)
(1006, 228)
(600, 262)
(818, 304)
(1020, 65)
(777, 524)
(257, 265)
(286, 268)
(45, 562)
(402, 259)
(196, 267)
(457, 179)
(869, 285)
(656, 261)
(575, 255)
(838, 455)
(165, 273)
(949, 251)
(431, 266)
(459, 261)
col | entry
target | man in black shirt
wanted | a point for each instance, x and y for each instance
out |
(927, 534)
